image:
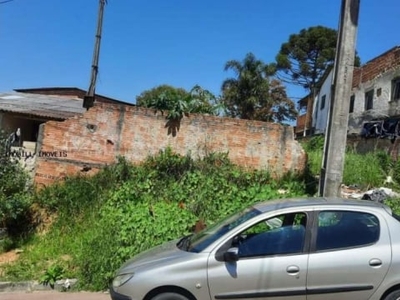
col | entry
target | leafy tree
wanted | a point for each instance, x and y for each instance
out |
(253, 95)
(178, 102)
(203, 101)
(148, 97)
(304, 58)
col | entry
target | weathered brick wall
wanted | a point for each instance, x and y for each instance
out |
(377, 66)
(376, 76)
(86, 143)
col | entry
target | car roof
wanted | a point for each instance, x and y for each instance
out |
(271, 205)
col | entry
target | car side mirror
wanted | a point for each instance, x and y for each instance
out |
(232, 254)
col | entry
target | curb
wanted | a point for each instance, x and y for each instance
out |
(30, 286)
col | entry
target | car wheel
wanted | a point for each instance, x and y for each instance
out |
(395, 295)
(170, 296)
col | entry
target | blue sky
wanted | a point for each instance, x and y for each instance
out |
(145, 43)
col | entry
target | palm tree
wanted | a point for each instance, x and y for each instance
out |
(252, 94)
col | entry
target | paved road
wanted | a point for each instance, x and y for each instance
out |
(54, 296)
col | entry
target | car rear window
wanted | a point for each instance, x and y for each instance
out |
(346, 229)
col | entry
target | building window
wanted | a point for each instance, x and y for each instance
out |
(323, 99)
(369, 100)
(396, 89)
(352, 100)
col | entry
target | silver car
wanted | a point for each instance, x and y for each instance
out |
(299, 249)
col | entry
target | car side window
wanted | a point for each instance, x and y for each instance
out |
(279, 235)
(346, 229)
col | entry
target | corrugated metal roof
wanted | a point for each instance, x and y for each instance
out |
(52, 107)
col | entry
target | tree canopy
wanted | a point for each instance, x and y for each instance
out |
(305, 57)
(179, 102)
(148, 97)
(252, 94)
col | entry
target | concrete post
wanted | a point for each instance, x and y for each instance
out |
(88, 100)
(336, 135)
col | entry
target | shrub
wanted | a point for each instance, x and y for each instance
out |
(315, 143)
(127, 230)
(15, 195)
(79, 194)
(101, 221)
(165, 199)
(396, 171)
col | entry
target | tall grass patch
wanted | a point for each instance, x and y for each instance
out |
(99, 222)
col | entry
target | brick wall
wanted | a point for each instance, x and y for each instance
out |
(88, 142)
(375, 67)
(375, 76)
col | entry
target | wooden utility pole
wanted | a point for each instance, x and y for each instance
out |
(337, 124)
(89, 98)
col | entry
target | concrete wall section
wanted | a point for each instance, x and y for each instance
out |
(383, 106)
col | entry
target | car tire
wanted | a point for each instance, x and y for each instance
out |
(395, 295)
(170, 296)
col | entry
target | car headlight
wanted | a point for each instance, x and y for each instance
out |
(121, 279)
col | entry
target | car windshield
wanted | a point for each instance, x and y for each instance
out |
(199, 241)
(397, 217)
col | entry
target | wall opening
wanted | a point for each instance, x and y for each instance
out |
(369, 100)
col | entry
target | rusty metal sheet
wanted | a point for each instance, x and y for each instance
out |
(57, 107)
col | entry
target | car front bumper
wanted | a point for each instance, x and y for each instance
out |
(116, 296)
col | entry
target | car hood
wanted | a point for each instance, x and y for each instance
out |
(164, 252)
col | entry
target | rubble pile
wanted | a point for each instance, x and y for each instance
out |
(377, 195)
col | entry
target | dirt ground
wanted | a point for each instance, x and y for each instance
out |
(8, 257)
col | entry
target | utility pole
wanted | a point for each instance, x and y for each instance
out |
(89, 98)
(337, 124)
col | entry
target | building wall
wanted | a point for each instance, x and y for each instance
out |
(376, 75)
(304, 120)
(376, 67)
(86, 143)
(301, 124)
(383, 107)
(320, 116)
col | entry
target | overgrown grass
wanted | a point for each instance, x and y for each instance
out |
(93, 224)
(97, 223)
(364, 170)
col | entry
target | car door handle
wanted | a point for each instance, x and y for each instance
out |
(375, 262)
(293, 269)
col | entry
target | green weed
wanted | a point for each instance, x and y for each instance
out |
(52, 274)
(100, 221)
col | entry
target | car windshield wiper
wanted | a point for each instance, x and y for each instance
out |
(185, 242)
